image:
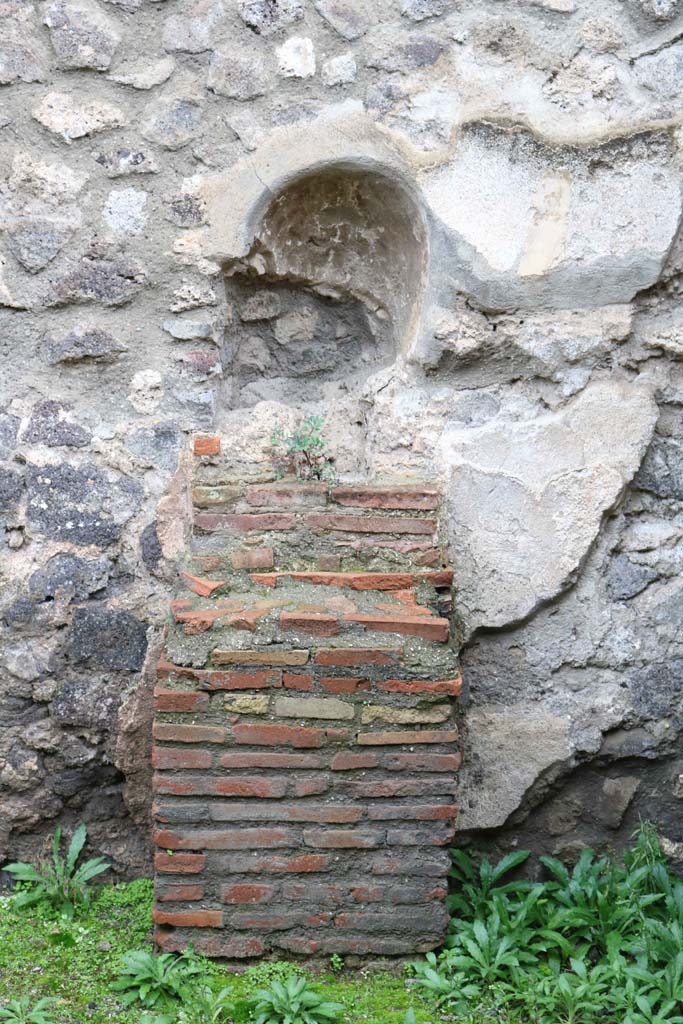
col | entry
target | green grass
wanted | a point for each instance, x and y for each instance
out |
(77, 961)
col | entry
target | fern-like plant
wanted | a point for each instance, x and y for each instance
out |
(58, 882)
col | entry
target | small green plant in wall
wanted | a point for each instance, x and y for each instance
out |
(303, 452)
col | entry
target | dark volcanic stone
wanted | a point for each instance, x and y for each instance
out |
(104, 639)
(150, 548)
(11, 485)
(662, 469)
(657, 690)
(625, 578)
(49, 426)
(81, 505)
(81, 344)
(88, 703)
(9, 428)
(111, 282)
(79, 576)
(19, 611)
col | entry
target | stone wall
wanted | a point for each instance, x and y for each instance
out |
(450, 227)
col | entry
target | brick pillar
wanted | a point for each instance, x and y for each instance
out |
(306, 733)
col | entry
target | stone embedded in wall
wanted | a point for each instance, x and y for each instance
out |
(50, 424)
(102, 638)
(68, 574)
(73, 119)
(143, 74)
(82, 35)
(194, 30)
(34, 241)
(113, 282)
(296, 58)
(532, 496)
(83, 343)
(22, 55)
(172, 122)
(156, 446)
(265, 17)
(80, 504)
(125, 212)
(345, 17)
(119, 162)
(419, 10)
(237, 76)
(89, 703)
(341, 70)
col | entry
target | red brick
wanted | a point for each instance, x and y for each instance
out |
(244, 892)
(278, 735)
(342, 839)
(336, 684)
(390, 581)
(334, 814)
(411, 736)
(344, 657)
(200, 585)
(369, 524)
(166, 758)
(297, 681)
(179, 700)
(207, 445)
(313, 786)
(203, 785)
(230, 839)
(422, 762)
(301, 864)
(451, 687)
(200, 620)
(189, 918)
(264, 759)
(170, 893)
(260, 680)
(268, 920)
(433, 836)
(315, 623)
(389, 498)
(430, 628)
(345, 762)
(166, 668)
(292, 495)
(274, 655)
(244, 522)
(180, 863)
(220, 945)
(413, 812)
(172, 733)
(252, 558)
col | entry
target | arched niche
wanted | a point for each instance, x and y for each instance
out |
(330, 289)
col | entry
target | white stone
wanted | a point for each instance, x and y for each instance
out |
(527, 497)
(125, 211)
(72, 119)
(340, 70)
(145, 391)
(144, 74)
(296, 58)
(195, 30)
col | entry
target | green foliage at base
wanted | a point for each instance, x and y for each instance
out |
(600, 944)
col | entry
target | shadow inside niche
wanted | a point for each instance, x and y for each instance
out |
(328, 293)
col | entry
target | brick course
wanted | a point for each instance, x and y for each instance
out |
(305, 766)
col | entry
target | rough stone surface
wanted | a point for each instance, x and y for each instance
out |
(82, 35)
(451, 229)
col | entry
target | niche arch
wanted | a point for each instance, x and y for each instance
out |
(331, 232)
